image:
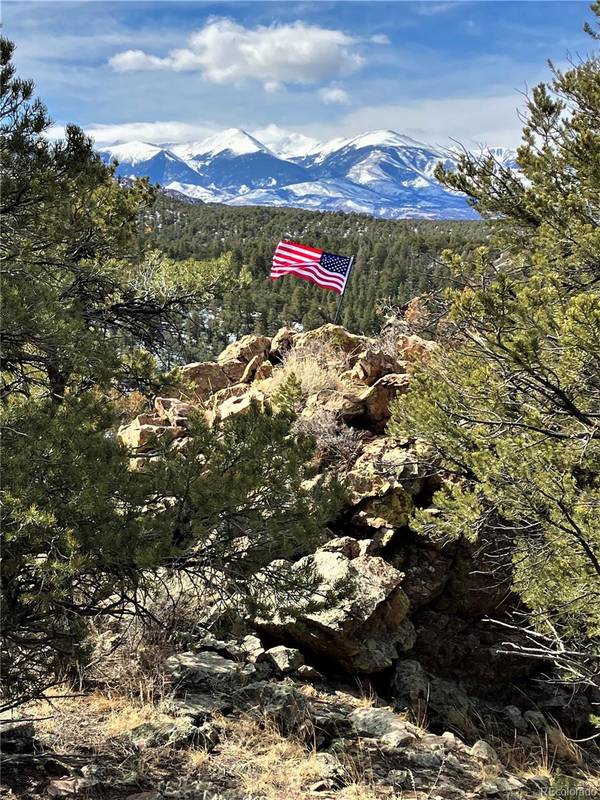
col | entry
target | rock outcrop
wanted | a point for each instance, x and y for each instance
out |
(396, 604)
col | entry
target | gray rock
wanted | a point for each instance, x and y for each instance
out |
(279, 703)
(383, 724)
(484, 751)
(207, 671)
(307, 673)
(426, 760)
(516, 718)
(536, 719)
(197, 707)
(284, 659)
(364, 626)
(414, 688)
(177, 733)
(16, 736)
(252, 647)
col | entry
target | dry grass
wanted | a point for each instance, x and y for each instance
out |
(266, 764)
(315, 367)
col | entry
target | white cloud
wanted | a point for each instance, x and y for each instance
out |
(225, 52)
(380, 38)
(333, 94)
(486, 120)
(155, 132)
(283, 142)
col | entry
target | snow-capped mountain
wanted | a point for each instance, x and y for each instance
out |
(381, 173)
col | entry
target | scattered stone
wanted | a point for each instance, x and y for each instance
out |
(16, 736)
(285, 659)
(383, 724)
(207, 671)
(484, 751)
(307, 673)
(279, 703)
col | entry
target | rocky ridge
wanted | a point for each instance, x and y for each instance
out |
(416, 619)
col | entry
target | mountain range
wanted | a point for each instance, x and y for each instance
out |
(381, 173)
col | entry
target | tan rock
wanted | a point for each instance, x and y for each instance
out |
(143, 437)
(345, 405)
(172, 410)
(246, 348)
(237, 390)
(282, 342)
(252, 367)
(377, 398)
(264, 372)
(240, 405)
(207, 378)
(333, 336)
(382, 466)
(234, 368)
(370, 365)
(416, 349)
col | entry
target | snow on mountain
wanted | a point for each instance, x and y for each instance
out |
(381, 172)
(233, 141)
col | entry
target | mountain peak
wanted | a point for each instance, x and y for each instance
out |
(232, 140)
(133, 152)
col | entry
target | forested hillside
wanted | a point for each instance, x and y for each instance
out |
(394, 262)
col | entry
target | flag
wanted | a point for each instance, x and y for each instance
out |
(327, 270)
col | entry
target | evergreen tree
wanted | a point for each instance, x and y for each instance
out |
(88, 315)
(511, 403)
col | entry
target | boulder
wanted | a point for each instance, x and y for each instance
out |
(241, 405)
(371, 365)
(246, 348)
(377, 399)
(281, 343)
(345, 405)
(264, 371)
(335, 337)
(173, 411)
(383, 724)
(383, 465)
(415, 349)
(279, 703)
(206, 377)
(413, 688)
(234, 369)
(345, 545)
(143, 437)
(207, 671)
(364, 623)
(284, 659)
(251, 368)
(252, 647)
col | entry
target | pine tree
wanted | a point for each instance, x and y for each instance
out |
(87, 317)
(512, 402)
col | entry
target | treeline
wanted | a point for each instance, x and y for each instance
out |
(395, 261)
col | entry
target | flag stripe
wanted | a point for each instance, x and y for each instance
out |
(308, 269)
(302, 248)
(307, 278)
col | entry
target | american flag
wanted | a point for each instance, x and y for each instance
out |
(327, 270)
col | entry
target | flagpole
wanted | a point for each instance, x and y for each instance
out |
(340, 301)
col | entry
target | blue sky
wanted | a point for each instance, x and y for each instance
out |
(174, 71)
